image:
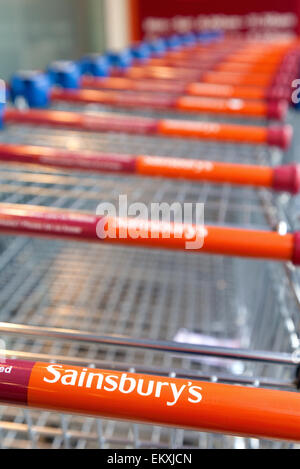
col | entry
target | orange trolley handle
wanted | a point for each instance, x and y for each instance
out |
(48, 222)
(272, 93)
(284, 178)
(242, 107)
(158, 400)
(279, 136)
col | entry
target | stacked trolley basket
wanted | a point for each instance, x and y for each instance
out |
(165, 313)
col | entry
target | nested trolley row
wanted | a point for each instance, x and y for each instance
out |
(165, 313)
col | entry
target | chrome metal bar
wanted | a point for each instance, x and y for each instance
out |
(157, 345)
(146, 369)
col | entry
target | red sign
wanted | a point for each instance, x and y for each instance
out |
(151, 18)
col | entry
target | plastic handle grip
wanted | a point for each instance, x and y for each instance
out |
(196, 405)
(258, 109)
(282, 178)
(42, 221)
(274, 136)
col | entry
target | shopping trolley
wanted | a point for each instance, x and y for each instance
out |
(136, 294)
(166, 314)
(272, 66)
(178, 75)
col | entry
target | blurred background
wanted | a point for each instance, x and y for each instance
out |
(35, 32)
